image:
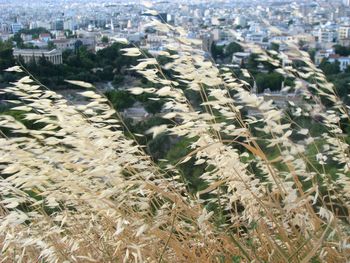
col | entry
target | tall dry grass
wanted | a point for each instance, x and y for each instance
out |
(77, 189)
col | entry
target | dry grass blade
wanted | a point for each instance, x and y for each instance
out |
(75, 188)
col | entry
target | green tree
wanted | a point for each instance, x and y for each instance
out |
(159, 146)
(6, 55)
(120, 99)
(330, 68)
(153, 106)
(341, 50)
(233, 48)
(275, 46)
(190, 172)
(272, 81)
(217, 52)
(341, 82)
(8, 77)
(19, 41)
(74, 61)
(32, 66)
(312, 53)
(105, 39)
(51, 45)
(66, 54)
(252, 63)
(118, 79)
(20, 60)
(77, 46)
(347, 70)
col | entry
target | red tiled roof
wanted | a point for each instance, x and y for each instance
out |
(45, 35)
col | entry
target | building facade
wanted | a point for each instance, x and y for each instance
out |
(344, 32)
(64, 44)
(344, 62)
(54, 56)
(16, 27)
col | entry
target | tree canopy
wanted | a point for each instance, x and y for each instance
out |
(6, 55)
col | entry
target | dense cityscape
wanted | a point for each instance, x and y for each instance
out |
(317, 24)
(175, 131)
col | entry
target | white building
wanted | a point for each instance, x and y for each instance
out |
(240, 21)
(137, 113)
(322, 54)
(215, 21)
(26, 37)
(326, 35)
(45, 37)
(155, 42)
(344, 62)
(5, 28)
(281, 38)
(64, 44)
(16, 27)
(54, 56)
(255, 38)
(240, 57)
(69, 25)
(5, 37)
(344, 32)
